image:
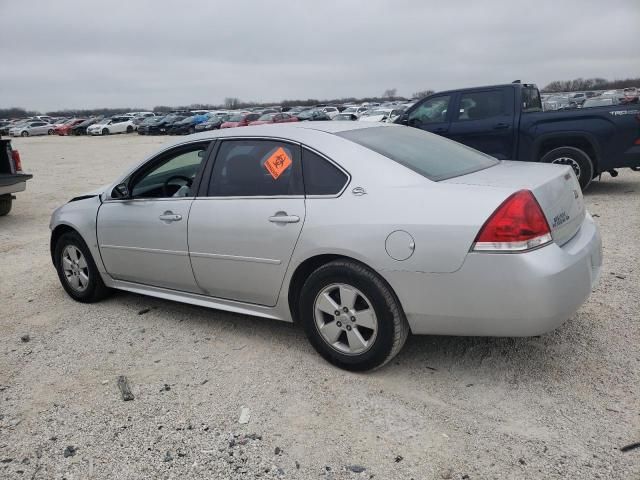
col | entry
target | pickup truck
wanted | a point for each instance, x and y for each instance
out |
(12, 179)
(507, 122)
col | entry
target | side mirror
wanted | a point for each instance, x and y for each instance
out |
(120, 191)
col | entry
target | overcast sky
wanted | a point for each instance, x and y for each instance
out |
(126, 53)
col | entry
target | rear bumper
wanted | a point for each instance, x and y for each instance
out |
(504, 294)
(14, 183)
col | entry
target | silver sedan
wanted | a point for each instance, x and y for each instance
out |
(37, 127)
(361, 233)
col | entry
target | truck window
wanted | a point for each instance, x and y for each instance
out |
(480, 105)
(531, 100)
(433, 110)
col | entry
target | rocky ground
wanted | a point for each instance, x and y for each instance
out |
(557, 406)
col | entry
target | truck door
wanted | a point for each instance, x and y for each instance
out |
(432, 115)
(485, 120)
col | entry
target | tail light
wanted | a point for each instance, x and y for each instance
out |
(15, 155)
(517, 225)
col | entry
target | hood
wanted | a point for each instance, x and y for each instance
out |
(94, 193)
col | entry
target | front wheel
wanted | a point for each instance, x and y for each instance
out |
(129, 129)
(77, 271)
(577, 159)
(105, 131)
(50, 132)
(25, 134)
(351, 316)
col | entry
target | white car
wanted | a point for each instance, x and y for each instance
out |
(376, 115)
(330, 111)
(36, 127)
(112, 125)
(355, 110)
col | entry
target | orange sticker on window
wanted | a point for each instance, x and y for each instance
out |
(277, 163)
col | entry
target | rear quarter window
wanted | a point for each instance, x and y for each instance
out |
(430, 155)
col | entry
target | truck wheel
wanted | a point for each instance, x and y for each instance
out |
(5, 204)
(351, 316)
(576, 159)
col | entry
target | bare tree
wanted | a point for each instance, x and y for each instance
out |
(423, 93)
(390, 92)
(231, 102)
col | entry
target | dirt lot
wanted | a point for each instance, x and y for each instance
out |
(556, 406)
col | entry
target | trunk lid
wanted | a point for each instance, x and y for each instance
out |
(555, 187)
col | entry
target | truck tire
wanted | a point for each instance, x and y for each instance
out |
(574, 157)
(5, 204)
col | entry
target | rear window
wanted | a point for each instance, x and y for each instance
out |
(429, 155)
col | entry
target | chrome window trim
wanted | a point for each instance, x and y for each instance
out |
(299, 144)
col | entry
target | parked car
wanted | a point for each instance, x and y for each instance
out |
(12, 178)
(81, 128)
(212, 123)
(240, 120)
(345, 116)
(312, 115)
(357, 111)
(112, 125)
(31, 128)
(187, 125)
(330, 111)
(66, 127)
(168, 122)
(501, 228)
(376, 115)
(274, 118)
(507, 122)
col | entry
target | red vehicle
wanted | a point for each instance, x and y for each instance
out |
(274, 118)
(66, 127)
(240, 120)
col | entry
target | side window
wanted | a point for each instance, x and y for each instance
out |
(531, 100)
(320, 176)
(433, 110)
(481, 105)
(172, 175)
(249, 168)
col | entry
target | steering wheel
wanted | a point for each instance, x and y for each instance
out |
(166, 183)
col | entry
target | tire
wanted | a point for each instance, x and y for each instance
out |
(105, 131)
(192, 131)
(24, 134)
(129, 129)
(377, 345)
(94, 289)
(580, 162)
(50, 132)
(5, 205)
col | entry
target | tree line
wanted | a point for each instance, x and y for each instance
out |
(582, 84)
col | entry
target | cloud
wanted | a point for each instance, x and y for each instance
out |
(146, 53)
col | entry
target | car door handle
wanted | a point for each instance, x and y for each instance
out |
(282, 217)
(498, 126)
(169, 216)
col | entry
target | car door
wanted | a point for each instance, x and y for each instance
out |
(142, 234)
(432, 115)
(37, 128)
(243, 230)
(484, 120)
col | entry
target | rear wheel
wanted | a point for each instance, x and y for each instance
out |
(77, 271)
(50, 132)
(5, 204)
(577, 159)
(351, 316)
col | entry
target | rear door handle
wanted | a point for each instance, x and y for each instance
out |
(169, 216)
(498, 126)
(282, 217)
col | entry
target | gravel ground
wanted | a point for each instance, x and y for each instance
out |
(556, 406)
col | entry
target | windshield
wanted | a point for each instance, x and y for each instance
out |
(432, 156)
(597, 102)
(266, 117)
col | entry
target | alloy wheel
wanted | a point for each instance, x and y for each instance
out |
(75, 268)
(345, 319)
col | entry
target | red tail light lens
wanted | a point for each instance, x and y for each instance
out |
(15, 155)
(517, 225)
